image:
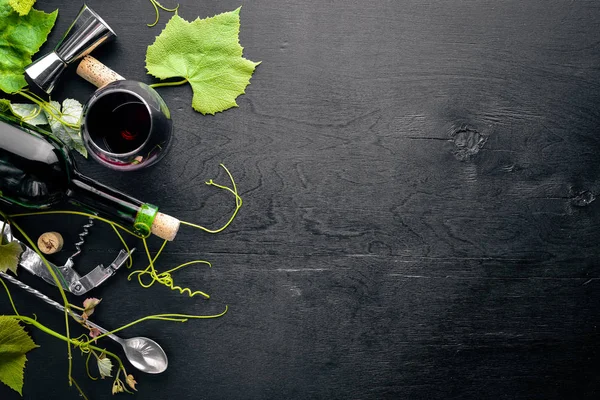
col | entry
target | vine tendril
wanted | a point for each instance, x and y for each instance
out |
(84, 342)
(156, 6)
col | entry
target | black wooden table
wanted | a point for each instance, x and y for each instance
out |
(419, 219)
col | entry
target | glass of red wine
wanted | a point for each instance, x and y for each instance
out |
(126, 125)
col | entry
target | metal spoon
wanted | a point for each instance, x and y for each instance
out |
(143, 353)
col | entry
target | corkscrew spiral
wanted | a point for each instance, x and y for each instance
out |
(82, 237)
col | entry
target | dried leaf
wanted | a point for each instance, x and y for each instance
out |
(117, 387)
(89, 305)
(131, 381)
(94, 333)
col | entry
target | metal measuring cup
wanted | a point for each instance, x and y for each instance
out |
(87, 32)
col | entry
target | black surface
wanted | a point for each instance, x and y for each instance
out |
(418, 221)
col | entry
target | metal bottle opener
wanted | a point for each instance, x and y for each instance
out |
(70, 280)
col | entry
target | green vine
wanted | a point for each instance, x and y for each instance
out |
(60, 289)
(84, 342)
(46, 107)
(163, 278)
(156, 6)
(161, 84)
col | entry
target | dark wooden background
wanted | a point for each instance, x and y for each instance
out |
(419, 219)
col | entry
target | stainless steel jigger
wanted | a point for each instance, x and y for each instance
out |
(86, 33)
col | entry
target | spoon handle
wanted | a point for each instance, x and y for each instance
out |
(54, 304)
(34, 292)
(101, 329)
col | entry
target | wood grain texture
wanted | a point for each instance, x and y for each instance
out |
(419, 220)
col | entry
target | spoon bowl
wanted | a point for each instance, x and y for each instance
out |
(145, 354)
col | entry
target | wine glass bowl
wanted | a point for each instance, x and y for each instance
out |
(126, 126)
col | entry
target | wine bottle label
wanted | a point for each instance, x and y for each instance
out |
(145, 218)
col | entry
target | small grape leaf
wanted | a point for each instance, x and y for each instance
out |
(14, 343)
(30, 113)
(71, 114)
(89, 305)
(9, 256)
(131, 381)
(104, 366)
(207, 53)
(20, 38)
(117, 387)
(21, 6)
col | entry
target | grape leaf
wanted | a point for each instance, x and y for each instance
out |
(9, 256)
(131, 381)
(20, 38)
(14, 343)
(207, 53)
(30, 113)
(89, 305)
(21, 6)
(104, 366)
(71, 114)
(62, 123)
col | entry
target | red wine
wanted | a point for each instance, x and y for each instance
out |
(37, 172)
(119, 123)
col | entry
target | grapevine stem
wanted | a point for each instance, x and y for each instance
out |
(165, 317)
(176, 83)
(60, 289)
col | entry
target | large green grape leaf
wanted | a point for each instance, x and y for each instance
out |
(207, 53)
(14, 343)
(20, 38)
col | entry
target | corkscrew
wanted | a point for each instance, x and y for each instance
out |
(69, 279)
(85, 231)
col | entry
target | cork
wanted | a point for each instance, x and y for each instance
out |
(50, 242)
(165, 226)
(97, 73)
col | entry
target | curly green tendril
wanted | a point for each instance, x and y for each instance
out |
(83, 342)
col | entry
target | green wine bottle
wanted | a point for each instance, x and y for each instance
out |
(38, 172)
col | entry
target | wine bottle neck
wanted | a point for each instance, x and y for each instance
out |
(111, 204)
